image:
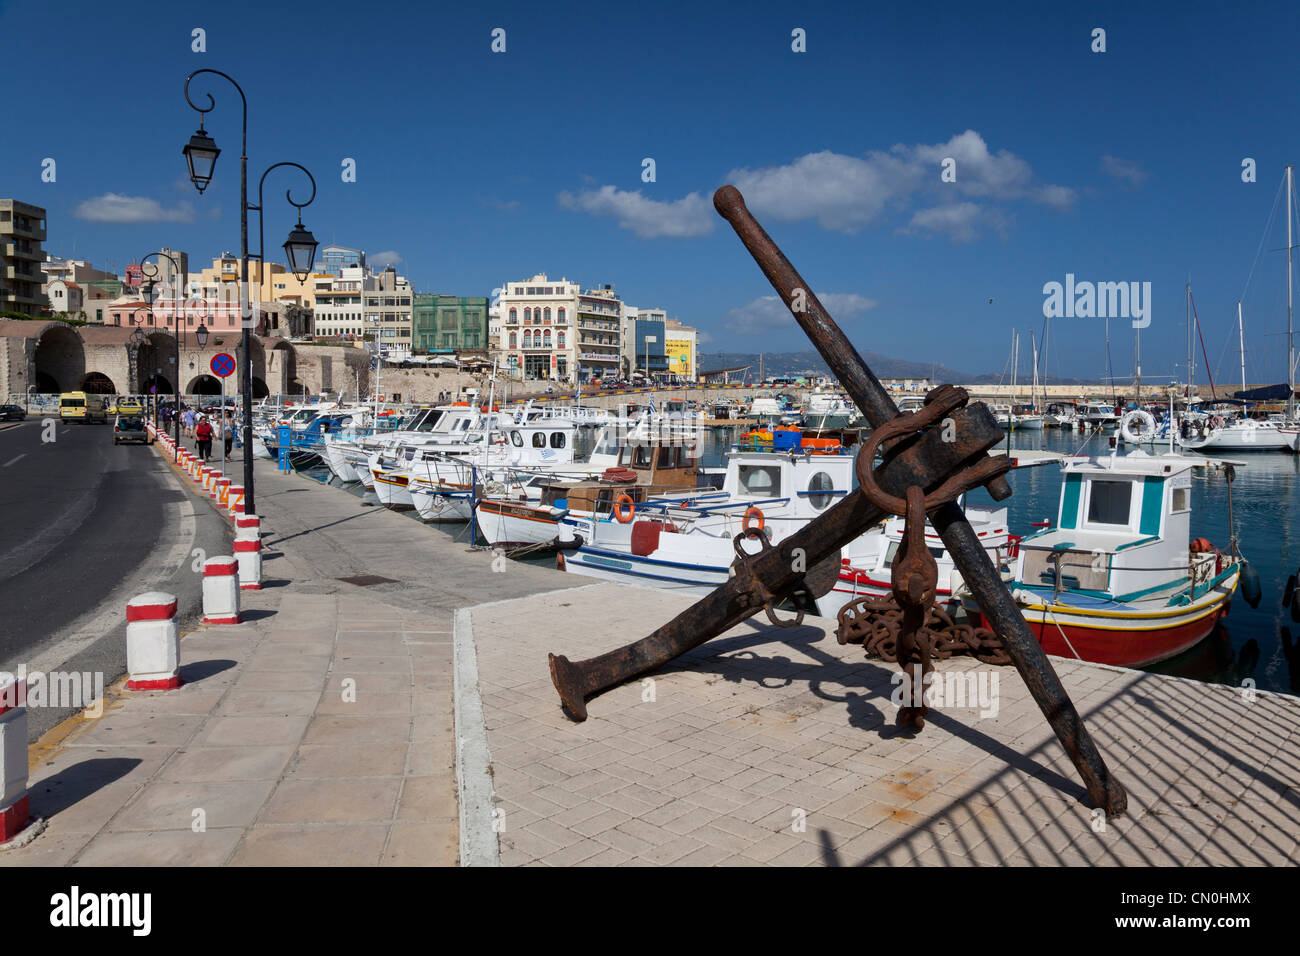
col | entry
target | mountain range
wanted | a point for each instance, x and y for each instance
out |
(809, 363)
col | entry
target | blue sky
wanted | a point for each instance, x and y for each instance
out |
(476, 168)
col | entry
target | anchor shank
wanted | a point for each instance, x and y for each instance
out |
(1027, 655)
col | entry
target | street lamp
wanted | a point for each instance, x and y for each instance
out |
(149, 292)
(300, 250)
(201, 156)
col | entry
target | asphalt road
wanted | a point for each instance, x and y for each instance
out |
(85, 526)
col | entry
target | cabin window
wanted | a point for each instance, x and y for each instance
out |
(819, 490)
(762, 480)
(892, 550)
(516, 439)
(666, 457)
(642, 456)
(539, 440)
(557, 439)
(1108, 502)
(1180, 499)
(608, 444)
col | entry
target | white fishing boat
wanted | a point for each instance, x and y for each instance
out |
(1118, 581)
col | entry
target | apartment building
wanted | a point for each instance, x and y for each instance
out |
(538, 327)
(22, 231)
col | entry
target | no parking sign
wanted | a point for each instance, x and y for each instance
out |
(222, 364)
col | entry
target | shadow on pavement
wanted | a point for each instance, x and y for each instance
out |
(55, 794)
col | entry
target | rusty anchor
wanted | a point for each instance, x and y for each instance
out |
(920, 459)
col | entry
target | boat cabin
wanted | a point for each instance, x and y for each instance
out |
(1121, 533)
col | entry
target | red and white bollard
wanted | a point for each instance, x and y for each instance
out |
(249, 555)
(221, 590)
(221, 490)
(248, 528)
(235, 499)
(15, 815)
(153, 642)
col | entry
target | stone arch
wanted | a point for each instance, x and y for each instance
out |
(60, 359)
(162, 382)
(259, 388)
(155, 362)
(282, 369)
(97, 383)
(204, 385)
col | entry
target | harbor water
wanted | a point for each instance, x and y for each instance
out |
(1254, 644)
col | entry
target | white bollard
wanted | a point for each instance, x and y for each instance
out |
(223, 488)
(221, 590)
(14, 801)
(235, 499)
(153, 642)
(248, 528)
(249, 555)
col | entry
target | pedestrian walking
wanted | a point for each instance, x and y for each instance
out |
(187, 422)
(203, 438)
(228, 434)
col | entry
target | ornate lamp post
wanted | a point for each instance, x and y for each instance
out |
(201, 154)
(149, 293)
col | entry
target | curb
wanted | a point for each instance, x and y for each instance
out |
(478, 836)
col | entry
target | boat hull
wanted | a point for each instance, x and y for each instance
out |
(1129, 637)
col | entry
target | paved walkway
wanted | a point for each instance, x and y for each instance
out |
(778, 746)
(318, 732)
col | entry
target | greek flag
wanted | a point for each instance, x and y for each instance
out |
(547, 454)
(652, 404)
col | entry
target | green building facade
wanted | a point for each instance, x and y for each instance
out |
(442, 323)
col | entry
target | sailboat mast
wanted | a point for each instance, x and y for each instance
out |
(1033, 388)
(1137, 366)
(1015, 366)
(1241, 346)
(1290, 339)
(1190, 358)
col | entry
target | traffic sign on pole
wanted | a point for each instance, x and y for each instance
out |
(222, 364)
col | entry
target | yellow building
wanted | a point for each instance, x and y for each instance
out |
(279, 284)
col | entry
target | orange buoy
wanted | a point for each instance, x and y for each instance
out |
(624, 508)
(752, 513)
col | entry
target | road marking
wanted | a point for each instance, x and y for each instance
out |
(14, 461)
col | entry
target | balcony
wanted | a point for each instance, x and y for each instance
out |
(24, 250)
(27, 229)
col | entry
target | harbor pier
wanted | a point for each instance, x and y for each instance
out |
(386, 700)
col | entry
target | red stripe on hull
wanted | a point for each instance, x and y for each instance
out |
(1120, 648)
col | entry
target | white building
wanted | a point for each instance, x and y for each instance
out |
(361, 304)
(538, 328)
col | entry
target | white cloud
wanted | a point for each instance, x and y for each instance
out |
(691, 215)
(959, 221)
(115, 207)
(1124, 169)
(382, 260)
(846, 193)
(769, 312)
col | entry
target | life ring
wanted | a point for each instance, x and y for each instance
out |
(624, 508)
(1202, 546)
(1145, 422)
(753, 513)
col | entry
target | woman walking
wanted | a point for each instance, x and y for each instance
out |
(203, 438)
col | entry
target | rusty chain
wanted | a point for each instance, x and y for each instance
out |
(874, 621)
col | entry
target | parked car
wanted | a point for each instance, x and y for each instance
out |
(130, 428)
(12, 413)
(129, 406)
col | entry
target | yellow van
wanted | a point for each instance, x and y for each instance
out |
(78, 407)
